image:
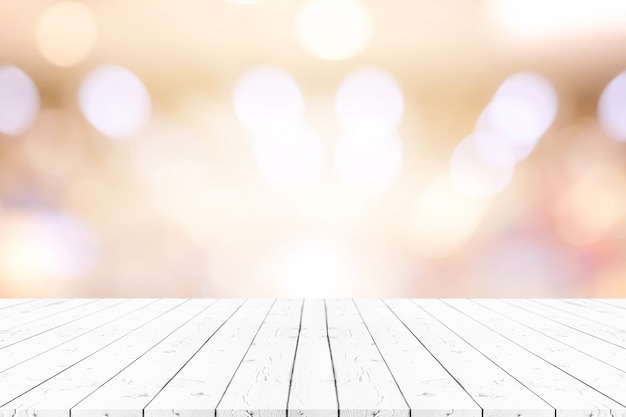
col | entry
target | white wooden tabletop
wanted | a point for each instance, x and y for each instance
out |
(312, 358)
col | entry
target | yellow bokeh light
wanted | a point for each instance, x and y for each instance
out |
(247, 1)
(313, 268)
(442, 218)
(334, 29)
(66, 33)
(592, 206)
(268, 100)
(538, 18)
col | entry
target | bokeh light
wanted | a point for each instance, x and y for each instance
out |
(247, 1)
(555, 17)
(19, 101)
(268, 100)
(369, 104)
(292, 161)
(612, 108)
(115, 101)
(66, 33)
(520, 112)
(334, 29)
(592, 207)
(455, 156)
(443, 219)
(481, 167)
(313, 268)
(39, 247)
(368, 166)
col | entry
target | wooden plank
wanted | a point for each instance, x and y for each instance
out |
(602, 377)
(197, 388)
(597, 312)
(429, 389)
(312, 391)
(26, 331)
(260, 386)
(126, 394)
(49, 312)
(69, 387)
(17, 353)
(497, 392)
(616, 302)
(27, 375)
(582, 342)
(12, 302)
(606, 333)
(365, 386)
(25, 313)
(313, 358)
(569, 396)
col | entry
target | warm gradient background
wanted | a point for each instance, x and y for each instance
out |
(213, 148)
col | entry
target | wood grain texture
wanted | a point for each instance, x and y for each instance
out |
(312, 358)
(496, 391)
(425, 383)
(196, 389)
(596, 374)
(127, 393)
(365, 385)
(260, 385)
(312, 392)
(568, 395)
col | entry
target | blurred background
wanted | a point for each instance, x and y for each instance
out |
(405, 148)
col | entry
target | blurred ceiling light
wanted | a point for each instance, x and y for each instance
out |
(19, 101)
(115, 101)
(334, 29)
(66, 33)
(39, 246)
(368, 166)
(480, 167)
(442, 218)
(521, 111)
(369, 103)
(268, 100)
(592, 206)
(293, 163)
(537, 18)
(312, 269)
(612, 108)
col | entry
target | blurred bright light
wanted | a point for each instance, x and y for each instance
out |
(442, 218)
(19, 101)
(537, 18)
(521, 111)
(369, 166)
(115, 101)
(481, 167)
(268, 100)
(369, 103)
(39, 246)
(334, 29)
(525, 265)
(247, 1)
(612, 108)
(313, 269)
(66, 33)
(593, 205)
(177, 187)
(292, 161)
